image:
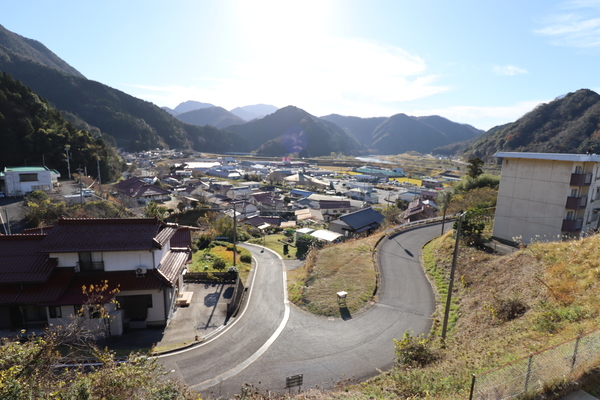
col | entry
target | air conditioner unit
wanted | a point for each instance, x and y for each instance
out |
(140, 271)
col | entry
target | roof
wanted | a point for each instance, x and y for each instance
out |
(26, 169)
(19, 261)
(47, 291)
(363, 219)
(122, 280)
(106, 234)
(550, 156)
(324, 234)
(182, 238)
(172, 265)
(137, 187)
(333, 204)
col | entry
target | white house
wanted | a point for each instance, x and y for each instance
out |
(19, 181)
(41, 278)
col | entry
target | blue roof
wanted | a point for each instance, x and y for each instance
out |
(363, 219)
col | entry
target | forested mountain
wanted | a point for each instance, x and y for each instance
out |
(13, 44)
(248, 113)
(401, 133)
(292, 130)
(33, 133)
(215, 116)
(569, 124)
(361, 128)
(133, 123)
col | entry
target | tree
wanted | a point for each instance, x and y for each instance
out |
(153, 210)
(475, 167)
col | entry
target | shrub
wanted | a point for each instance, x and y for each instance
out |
(219, 264)
(509, 309)
(232, 269)
(246, 258)
(413, 351)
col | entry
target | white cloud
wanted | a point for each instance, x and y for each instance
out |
(509, 70)
(322, 76)
(577, 26)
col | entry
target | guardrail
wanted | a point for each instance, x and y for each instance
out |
(413, 224)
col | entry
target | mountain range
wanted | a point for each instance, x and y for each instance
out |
(568, 124)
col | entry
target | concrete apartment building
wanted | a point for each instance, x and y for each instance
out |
(546, 196)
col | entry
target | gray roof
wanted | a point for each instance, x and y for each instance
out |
(363, 219)
(550, 156)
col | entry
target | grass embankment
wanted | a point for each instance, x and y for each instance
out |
(345, 267)
(275, 242)
(506, 307)
(202, 260)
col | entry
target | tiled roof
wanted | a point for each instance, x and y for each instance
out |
(137, 187)
(172, 265)
(19, 261)
(182, 238)
(333, 204)
(98, 234)
(39, 292)
(123, 280)
(363, 219)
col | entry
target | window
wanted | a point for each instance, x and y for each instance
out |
(90, 261)
(88, 311)
(28, 177)
(573, 192)
(570, 215)
(55, 312)
(578, 169)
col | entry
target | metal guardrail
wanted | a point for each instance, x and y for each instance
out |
(413, 224)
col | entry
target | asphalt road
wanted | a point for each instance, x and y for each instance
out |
(263, 347)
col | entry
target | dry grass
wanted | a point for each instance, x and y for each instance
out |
(561, 277)
(348, 267)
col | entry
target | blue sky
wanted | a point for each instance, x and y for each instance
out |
(483, 63)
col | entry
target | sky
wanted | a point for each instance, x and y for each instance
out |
(483, 63)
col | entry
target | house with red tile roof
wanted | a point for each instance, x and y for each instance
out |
(42, 275)
(141, 190)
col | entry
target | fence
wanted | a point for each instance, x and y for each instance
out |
(568, 360)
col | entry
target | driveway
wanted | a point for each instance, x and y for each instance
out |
(264, 347)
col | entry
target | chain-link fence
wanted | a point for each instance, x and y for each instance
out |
(567, 360)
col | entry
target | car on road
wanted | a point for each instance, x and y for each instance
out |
(2, 195)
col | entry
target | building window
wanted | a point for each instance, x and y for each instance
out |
(578, 169)
(573, 192)
(55, 312)
(90, 261)
(570, 215)
(28, 177)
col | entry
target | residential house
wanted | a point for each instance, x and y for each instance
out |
(359, 223)
(547, 196)
(142, 190)
(18, 181)
(42, 275)
(267, 202)
(419, 209)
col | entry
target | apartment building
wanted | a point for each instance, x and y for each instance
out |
(547, 196)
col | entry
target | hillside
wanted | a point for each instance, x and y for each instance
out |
(32, 50)
(569, 124)
(133, 123)
(361, 128)
(401, 133)
(248, 113)
(33, 133)
(292, 130)
(214, 116)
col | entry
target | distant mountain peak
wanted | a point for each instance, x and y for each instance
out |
(191, 105)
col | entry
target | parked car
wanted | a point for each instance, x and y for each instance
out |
(2, 195)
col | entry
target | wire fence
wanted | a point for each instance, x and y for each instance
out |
(566, 361)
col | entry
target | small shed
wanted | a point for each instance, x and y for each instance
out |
(304, 231)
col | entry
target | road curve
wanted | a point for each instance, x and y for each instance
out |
(325, 351)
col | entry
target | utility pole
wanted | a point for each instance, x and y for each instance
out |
(234, 232)
(99, 180)
(67, 147)
(451, 283)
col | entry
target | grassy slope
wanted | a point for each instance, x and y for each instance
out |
(557, 283)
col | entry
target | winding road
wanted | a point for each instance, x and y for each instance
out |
(271, 340)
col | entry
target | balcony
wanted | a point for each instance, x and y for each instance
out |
(581, 179)
(576, 203)
(571, 225)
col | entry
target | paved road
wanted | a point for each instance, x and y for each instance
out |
(264, 347)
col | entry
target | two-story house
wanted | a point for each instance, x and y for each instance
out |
(42, 275)
(547, 196)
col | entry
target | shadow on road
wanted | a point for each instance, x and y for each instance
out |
(345, 313)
